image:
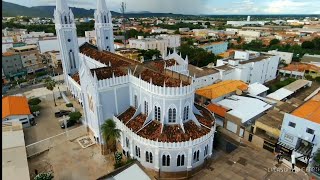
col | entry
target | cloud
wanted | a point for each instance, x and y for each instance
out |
(291, 6)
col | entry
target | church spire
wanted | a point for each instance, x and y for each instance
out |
(62, 6)
(101, 5)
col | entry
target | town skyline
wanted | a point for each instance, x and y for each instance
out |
(198, 7)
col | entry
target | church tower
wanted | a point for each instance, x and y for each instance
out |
(67, 37)
(103, 27)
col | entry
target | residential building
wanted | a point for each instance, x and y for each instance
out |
(200, 32)
(30, 57)
(300, 131)
(184, 29)
(311, 59)
(14, 33)
(162, 133)
(16, 109)
(215, 47)
(130, 54)
(249, 67)
(300, 70)
(249, 35)
(55, 59)
(52, 44)
(159, 30)
(14, 155)
(284, 56)
(90, 35)
(174, 41)
(12, 65)
(243, 23)
(257, 89)
(150, 43)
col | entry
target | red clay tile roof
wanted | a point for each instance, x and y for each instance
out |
(136, 123)
(107, 72)
(301, 67)
(152, 131)
(159, 79)
(76, 78)
(127, 115)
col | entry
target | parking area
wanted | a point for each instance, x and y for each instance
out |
(47, 125)
(69, 161)
(248, 163)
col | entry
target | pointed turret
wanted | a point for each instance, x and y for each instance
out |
(101, 5)
(62, 6)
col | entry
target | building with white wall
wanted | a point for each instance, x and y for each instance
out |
(300, 131)
(249, 67)
(174, 41)
(200, 32)
(215, 47)
(159, 30)
(160, 124)
(243, 23)
(255, 34)
(160, 44)
(285, 56)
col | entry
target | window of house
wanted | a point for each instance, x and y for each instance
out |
(172, 115)
(292, 124)
(149, 157)
(165, 160)
(206, 150)
(127, 142)
(310, 131)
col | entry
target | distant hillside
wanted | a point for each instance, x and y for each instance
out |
(12, 10)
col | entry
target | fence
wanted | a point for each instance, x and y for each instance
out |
(46, 144)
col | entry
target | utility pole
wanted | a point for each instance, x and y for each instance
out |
(123, 10)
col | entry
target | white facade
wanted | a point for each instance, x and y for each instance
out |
(292, 136)
(109, 97)
(24, 119)
(287, 57)
(255, 34)
(174, 41)
(242, 23)
(103, 27)
(67, 37)
(159, 30)
(150, 43)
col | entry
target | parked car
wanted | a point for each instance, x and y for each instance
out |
(69, 124)
(62, 113)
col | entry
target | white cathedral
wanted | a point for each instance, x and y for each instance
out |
(152, 105)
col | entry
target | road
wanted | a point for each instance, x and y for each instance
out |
(25, 89)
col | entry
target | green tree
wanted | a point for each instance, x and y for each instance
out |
(44, 176)
(307, 45)
(75, 116)
(110, 134)
(207, 23)
(50, 85)
(316, 42)
(34, 101)
(34, 108)
(177, 31)
(274, 42)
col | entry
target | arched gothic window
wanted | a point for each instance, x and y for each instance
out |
(165, 160)
(145, 107)
(172, 115)
(157, 113)
(186, 113)
(180, 160)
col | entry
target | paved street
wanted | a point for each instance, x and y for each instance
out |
(247, 163)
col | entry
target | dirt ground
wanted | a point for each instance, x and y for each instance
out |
(69, 161)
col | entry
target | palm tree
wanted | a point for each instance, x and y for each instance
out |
(50, 85)
(110, 134)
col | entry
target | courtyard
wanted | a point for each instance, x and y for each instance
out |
(69, 161)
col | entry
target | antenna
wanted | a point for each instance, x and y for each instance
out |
(123, 8)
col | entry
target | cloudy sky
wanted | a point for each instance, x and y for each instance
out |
(197, 6)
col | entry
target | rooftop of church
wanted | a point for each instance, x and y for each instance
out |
(152, 71)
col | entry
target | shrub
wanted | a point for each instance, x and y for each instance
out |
(34, 108)
(75, 116)
(118, 165)
(39, 74)
(44, 176)
(34, 101)
(118, 157)
(308, 77)
(317, 79)
(69, 105)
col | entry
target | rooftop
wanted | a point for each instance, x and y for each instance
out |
(15, 105)
(252, 108)
(301, 67)
(224, 67)
(272, 119)
(310, 110)
(200, 72)
(14, 156)
(256, 59)
(257, 88)
(222, 88)
(213, 43)
(25, 47)
(216, 109)
(76, 78)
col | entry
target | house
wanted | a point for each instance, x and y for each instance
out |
(14, 155)
(16, 109)
(215, 47)
(300, 70)
(257, 89)
(300, 131)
